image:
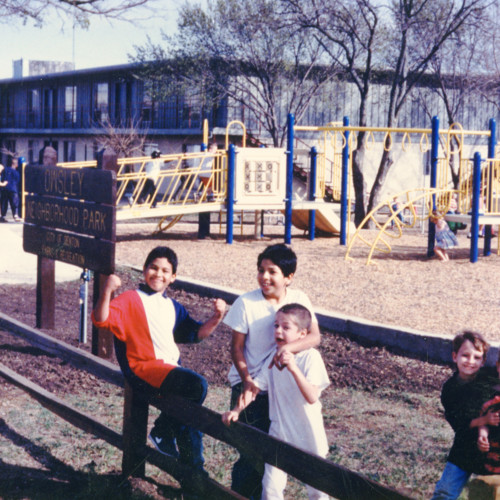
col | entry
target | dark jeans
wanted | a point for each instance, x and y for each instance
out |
(246, 479)
(190, 385)
(148, 190)
(9, 198)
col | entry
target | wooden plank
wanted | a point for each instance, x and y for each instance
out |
(82, 251)
(209, 488)
(89, 184)
(62, 409)
(322, 474)
(135, 427)
(319, 473)
(77, 357)
(102, 339)
(81, 217)
(45, 293)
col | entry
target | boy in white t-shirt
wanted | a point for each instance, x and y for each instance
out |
(294, 406)
(251, 318)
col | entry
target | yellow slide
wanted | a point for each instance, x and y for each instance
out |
(327, 220)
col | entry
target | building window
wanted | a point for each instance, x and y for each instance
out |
(8, 109)
(69, 151)
(70, 106)
(101, 102)
(33, 150)
(50, 108)
(149, 107)
(33, 117)
(123, 104)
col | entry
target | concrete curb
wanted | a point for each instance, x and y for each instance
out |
(430, 346)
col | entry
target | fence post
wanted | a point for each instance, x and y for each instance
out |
(102, 340)
(476, 194)
(135, 425)
(231, 164)
(312, 191)
(434, 158)
(46, 268)
(289, 180)
(345, 184)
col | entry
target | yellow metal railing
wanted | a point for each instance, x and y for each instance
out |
(390, 221)
(178, 183)
(244, 135)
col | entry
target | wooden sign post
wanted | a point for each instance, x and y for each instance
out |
(69, 217)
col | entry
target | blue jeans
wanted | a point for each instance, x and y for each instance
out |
(451, 484)
(246, 479)
(190, 385)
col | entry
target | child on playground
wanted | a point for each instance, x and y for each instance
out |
(396, 207)
(462, 397)
(445, 238)
(150, 324)
(251, 318)
(295, 409)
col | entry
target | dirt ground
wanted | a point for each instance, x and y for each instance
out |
(405, 288)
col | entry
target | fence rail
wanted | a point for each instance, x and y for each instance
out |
(322, 474)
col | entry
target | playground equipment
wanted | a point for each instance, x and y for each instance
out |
(241, 179)
(391, 222)
(441, 186)
(316, 193)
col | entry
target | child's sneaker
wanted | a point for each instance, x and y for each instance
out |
(163, 445)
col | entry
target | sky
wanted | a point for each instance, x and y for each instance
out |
(104, 43)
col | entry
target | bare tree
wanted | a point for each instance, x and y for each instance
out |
(458, 78)
(349, 32)
(241, 50)
(37, 10)
(126, 142)
(422, 29)
(401, 37)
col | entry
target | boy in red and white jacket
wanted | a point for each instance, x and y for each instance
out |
(149, 325)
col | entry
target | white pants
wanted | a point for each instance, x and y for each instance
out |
(274, 483)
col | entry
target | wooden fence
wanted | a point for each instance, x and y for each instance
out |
(322, 474)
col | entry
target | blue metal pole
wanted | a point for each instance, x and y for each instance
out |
(345, 185)
(289, 180)
(491, 154)
(230, 201)
(312, 192)
(476, 194)
(492, 142)
(434, 160)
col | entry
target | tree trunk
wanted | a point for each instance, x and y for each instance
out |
(385, 164)
(358, 157)
(455, 172)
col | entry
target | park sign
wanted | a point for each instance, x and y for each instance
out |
(69, 215)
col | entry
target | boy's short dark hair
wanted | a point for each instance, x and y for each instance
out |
(301, 314)
(280, 255)
(476, 339)
(162, 252)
